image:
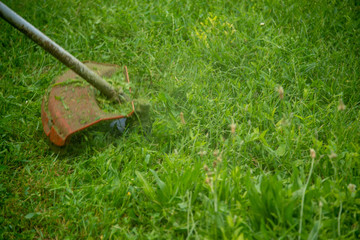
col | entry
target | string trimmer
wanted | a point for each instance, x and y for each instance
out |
(70, 107)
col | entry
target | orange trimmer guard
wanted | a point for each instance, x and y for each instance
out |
(67, 109)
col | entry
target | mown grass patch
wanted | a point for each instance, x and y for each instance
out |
(240, 93)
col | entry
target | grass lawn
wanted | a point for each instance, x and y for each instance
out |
(255, 122)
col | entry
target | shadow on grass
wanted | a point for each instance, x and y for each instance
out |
(90, 140)
(96, 138)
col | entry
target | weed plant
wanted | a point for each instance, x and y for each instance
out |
(255, 122)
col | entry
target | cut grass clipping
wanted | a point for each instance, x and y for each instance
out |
(117, 81)
(123, 88)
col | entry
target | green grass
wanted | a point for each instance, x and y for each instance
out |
(219, 66)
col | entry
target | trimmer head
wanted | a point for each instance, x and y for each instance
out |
(70, 107)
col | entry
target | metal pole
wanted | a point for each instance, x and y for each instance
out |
(58, 52)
